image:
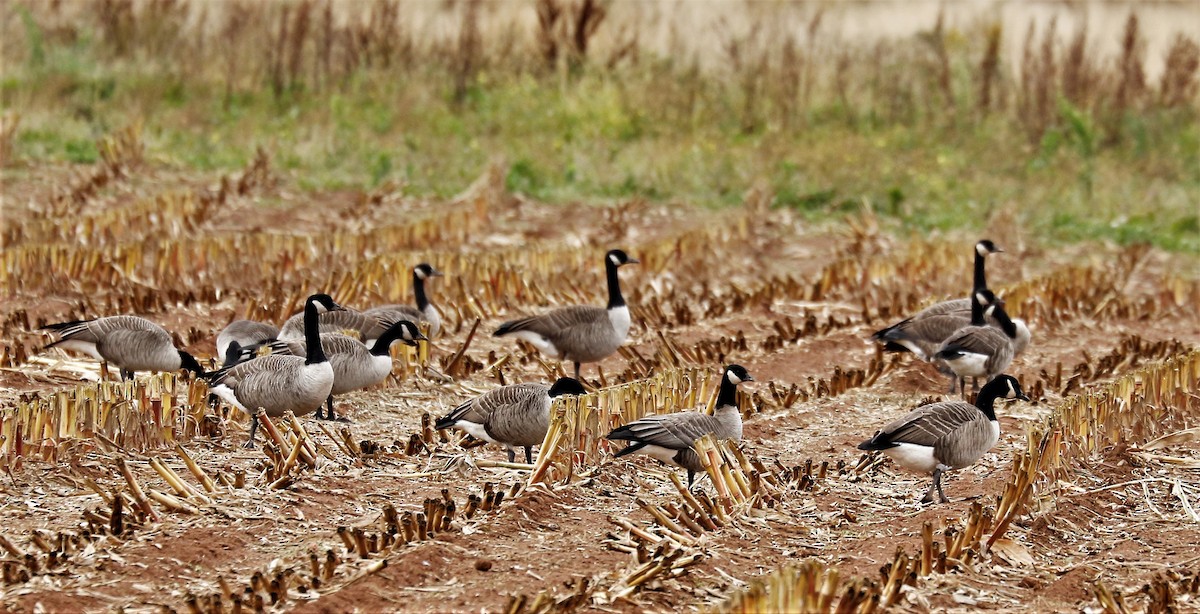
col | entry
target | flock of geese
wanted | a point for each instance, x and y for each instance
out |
(327, 350)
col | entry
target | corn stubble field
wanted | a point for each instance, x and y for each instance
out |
(139, 496)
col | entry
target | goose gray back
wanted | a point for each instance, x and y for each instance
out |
(129, 343)
(938, 437)
(580, 333)
(423, 311)
(512, 416)
(278, 383)
(669, 437)
(244, 333)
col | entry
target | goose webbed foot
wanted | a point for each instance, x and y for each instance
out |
(329, 415)
(512, 455)
(936, 485)
(253, 430)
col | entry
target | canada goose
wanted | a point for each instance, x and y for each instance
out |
(515, 415)
(979, 350)
(129, 343)
(960, 307)
(245, 333)
(278, 383)
(579, 333)
(355, 365)
(342, 321)
(924, 336)
(669, 437)
(423, 312)
(948, 435)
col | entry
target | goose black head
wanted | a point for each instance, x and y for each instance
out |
(620, 258)
(737, 374)
(189, 362)
(425, 271)
(409, 333)
(1010, 388)
(326, 301)
(985, 247)
(566, 385)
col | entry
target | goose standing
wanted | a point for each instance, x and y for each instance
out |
(278, 383)
(899, 337)
(512, 416)
(579, 333)
(938, 437)
(129, 343)
(355, 365)
(243, 333)
(980, 350)
(669, 437)
(423, 312)
(924, 336)
(343, 321)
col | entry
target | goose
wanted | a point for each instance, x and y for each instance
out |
(669, 437)
(423, 312)
(579, 333)
(938, 437)
(244, 333)
(129, 343)
(960, 307)
(924, 336)
(355, 364)
(514, 415)
(278, 383)
(979, 350)
(342, 321)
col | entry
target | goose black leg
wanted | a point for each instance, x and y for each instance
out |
(512, 455)
(691, 478)
(126, 375)
(329, 415)
(253, 429)
(937, 481)
(529, 455)
(577, 371)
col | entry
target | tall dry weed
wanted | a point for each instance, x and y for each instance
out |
(989, 66)
(1179, 84)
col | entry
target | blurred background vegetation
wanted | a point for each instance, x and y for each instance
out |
(1077, 120)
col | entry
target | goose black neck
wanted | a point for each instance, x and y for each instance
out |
(728, 393)
(980, 276)
(614, 285)
(312, 334)
(976, 310)
(383, 343)
(986, 401)
(1005, 322)
(419, 291)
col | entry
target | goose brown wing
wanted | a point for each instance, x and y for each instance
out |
(478, 409)
(557, 322)
(672, 431)
(137, 347)
(926, 425)
(977, 340)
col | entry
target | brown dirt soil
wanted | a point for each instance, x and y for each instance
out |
(1119, 521)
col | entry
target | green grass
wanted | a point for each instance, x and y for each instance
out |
(612, 135)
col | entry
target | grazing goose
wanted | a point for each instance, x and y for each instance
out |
(924, 336)
(244, 333)
(980, 350)
(516, 415)
(579, 333)
(669, 437)
(959, 307)
(278, 383)
(355, 365)
(423, 312)
(948, 435)
(129, 343)
(340, 321)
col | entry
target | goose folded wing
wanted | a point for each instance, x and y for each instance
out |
(554, 323)
(672, 431)
(925, 426)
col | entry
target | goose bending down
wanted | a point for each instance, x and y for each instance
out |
(423, 312)
(129, 343)
(957, 307)
(278, 383)
(244, 333)
(342, 321)
(515, 415)
(938, 437)
(669, 437)
(980, 350)
(924, 336)
(355, 365)
(579, 333)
